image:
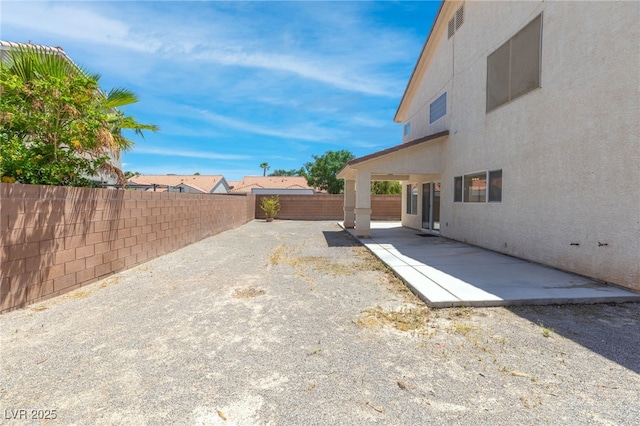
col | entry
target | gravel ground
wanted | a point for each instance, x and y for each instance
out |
(295, 323)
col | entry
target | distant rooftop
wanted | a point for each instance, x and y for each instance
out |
(248, 183)
(204, 183)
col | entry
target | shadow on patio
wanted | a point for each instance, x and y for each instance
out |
(446, 273)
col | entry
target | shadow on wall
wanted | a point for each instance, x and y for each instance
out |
(56, 239)
(48, 233)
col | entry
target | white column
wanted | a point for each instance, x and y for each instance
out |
(363, 204)
(349, 203)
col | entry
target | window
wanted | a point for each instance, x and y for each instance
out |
(457, 189)
(456, 21)
(438, 108)
(495, 186)
(514, 68)
(412, 198)
(406, 129)
(472, 188)
(475, 188)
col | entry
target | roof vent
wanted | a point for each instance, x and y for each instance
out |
(459, 16)
(456, 21)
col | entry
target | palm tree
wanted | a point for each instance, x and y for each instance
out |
(264, 167)
(114, 142)
(87, 121)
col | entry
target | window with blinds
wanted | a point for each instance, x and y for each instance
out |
(514, 68)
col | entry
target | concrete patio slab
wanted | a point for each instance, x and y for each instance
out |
(446, 273)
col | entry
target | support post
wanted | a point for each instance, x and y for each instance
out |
(349, 203)
(363, 204)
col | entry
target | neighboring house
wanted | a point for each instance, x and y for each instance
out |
(6, 46)
(194, 184)
(272, 185)
(521, 126)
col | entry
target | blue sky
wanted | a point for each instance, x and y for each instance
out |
(235, 84)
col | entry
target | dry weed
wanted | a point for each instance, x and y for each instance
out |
(369, 262)
(79, 294)
(405, 319)
(247, 293)
(322, 264)
(282, 256)
(110, 281)
(460, 327)
(278, 254)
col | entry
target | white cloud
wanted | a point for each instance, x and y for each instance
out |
(369, 122)
(179, 152)
(75, 22)
(223, 39)
(316, 68)
(304, 131)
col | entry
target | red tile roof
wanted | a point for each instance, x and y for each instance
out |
(269, 182)
(204, 183)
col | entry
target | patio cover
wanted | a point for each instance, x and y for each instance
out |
(418, 160)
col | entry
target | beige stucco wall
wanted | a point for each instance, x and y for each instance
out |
(569, 151)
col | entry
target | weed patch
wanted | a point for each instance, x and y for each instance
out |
(462, 328)
(404, 319)
(278, 255)
(546, 331)
(247, 293)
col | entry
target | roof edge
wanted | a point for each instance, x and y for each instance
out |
(8, 45)
(395, 148)
(415, 68)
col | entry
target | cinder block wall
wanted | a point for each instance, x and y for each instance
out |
(330, 207)
(56, 239)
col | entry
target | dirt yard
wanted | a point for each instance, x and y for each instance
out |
(295, 323)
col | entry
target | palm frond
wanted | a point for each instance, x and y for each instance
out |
(29, 63)
(130, 123)
(119, 97)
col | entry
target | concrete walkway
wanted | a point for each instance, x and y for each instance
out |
(445, 273)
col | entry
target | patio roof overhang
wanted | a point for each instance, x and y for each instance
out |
(418, 157)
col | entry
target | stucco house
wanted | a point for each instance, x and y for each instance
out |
(272, 185)
(521, 134)
(193, 184)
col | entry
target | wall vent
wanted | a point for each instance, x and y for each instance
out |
(456, 21)
(459, 16)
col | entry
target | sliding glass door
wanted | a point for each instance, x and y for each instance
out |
(431, 206)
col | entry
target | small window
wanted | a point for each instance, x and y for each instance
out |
(406, 129)
(514, 68)
(438, 108)
(495, 186)
(452, 26)
(412, 198)
(472, 188)
(457, 189)
(475, 188)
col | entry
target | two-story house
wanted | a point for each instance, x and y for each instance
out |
(521, 134)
